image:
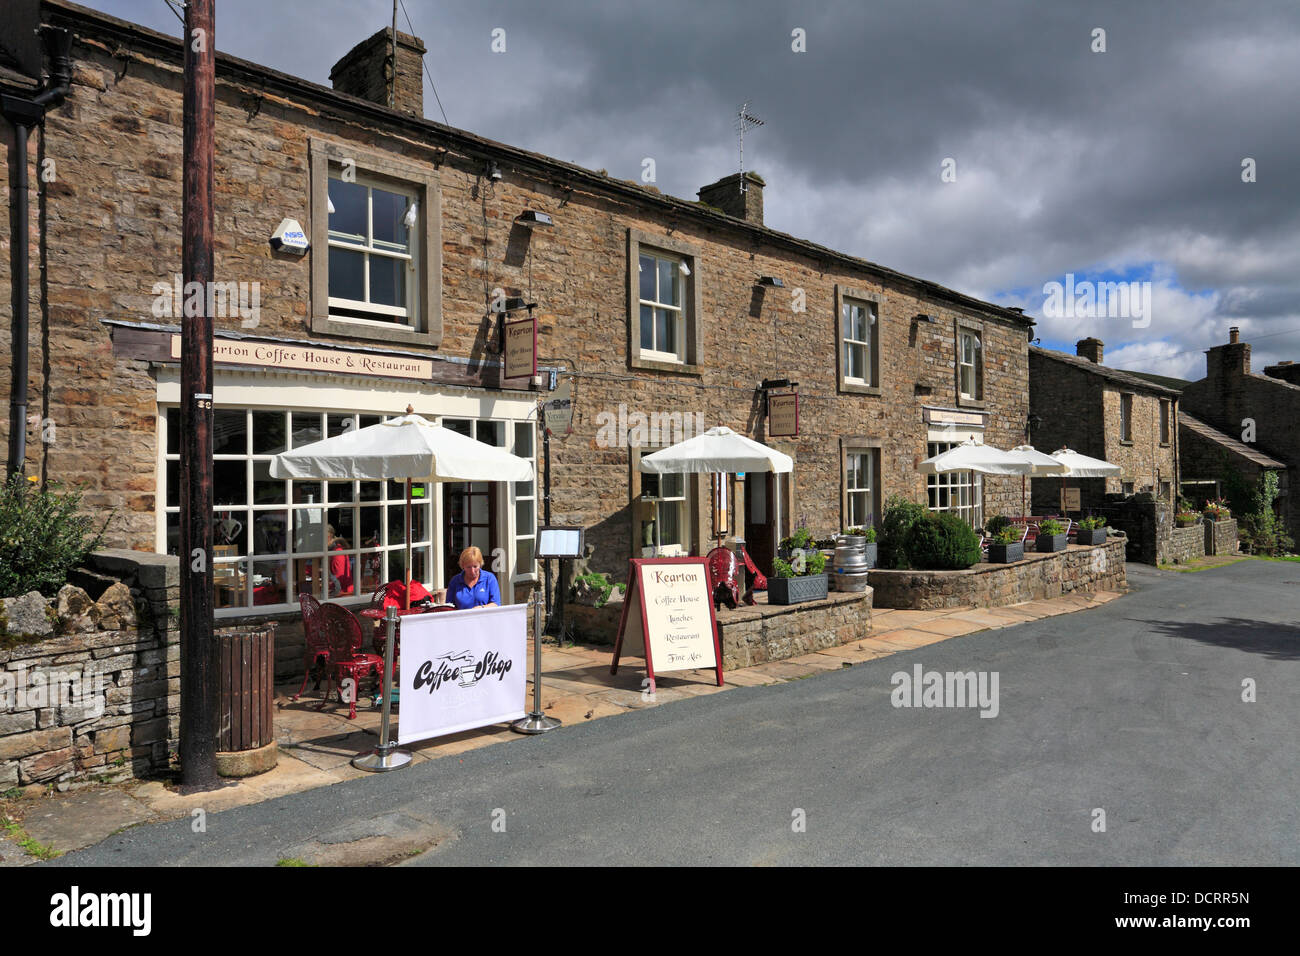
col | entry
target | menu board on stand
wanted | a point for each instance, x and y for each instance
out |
(668, 618)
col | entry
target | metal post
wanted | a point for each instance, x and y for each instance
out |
(199, 689)
(546, 508)
(19, 266)
(386, 756)
(537, 722)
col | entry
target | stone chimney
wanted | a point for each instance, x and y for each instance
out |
(367, 71)
(1090, 349)
(1286, 371)
(725, 194)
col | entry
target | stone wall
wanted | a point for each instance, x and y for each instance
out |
(113, 230)
(97, 695)
(1146, 523)
(755, 635)
(1239, 403)
(1038, 577)
(1221, 537)
(1081, 410)
(1186, 544)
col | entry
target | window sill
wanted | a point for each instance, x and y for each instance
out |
(1165, 444)
(964, 401)
(657, 365)
(374, 331)
(859, 388)
(1126, 441)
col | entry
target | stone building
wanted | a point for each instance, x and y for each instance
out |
(1256, 417)
(663, 315)
(1103, 413)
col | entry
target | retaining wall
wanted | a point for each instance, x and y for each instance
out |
(1038, 577)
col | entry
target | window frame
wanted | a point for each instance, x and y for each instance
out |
(425, 327)
(860, 445)
(691, 333)
(845, 295)
(409, 315)
(678, 310)
(963, 328)
(1126, 418)
(951, 481)
(1166, 422)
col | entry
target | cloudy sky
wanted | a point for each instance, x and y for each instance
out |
(1122, 164)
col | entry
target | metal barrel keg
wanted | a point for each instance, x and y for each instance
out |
(849, 566)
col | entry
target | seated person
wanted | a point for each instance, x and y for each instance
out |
(473, 587)
(340, 566)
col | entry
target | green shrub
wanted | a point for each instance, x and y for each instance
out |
(900, 517)
(600, 583)
(802, 562)
(1050, 526)
(43, 536)
(1008, 534)
(1261, 531)
(942, 542)
(870, 535)
(801, 539)
(1092, 524)
(995, 525)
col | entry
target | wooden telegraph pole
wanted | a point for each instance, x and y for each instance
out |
(198, 731)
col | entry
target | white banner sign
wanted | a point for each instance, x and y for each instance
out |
(461, 669)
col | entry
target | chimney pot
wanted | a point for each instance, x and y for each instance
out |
(1234, 335)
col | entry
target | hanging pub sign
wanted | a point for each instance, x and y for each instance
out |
(668, 618)
(1070, 500)
(558, 410)
(521, 349)
(783, 415)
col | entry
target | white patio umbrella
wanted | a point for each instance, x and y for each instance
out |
(410, 449)
(717, 451)
(1081, 466)
(1043, 464)
(973, 456)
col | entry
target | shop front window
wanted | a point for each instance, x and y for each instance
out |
(274, 538)
(959, 492)
(663, 514)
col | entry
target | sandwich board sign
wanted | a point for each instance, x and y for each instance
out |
(668, 618)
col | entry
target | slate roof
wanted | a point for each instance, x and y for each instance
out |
(1115, 375)
(1227, 442)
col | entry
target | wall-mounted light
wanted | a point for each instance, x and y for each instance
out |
(494, 171)
(330, 203)
(532, 219)
(686, 270)
(772, 281)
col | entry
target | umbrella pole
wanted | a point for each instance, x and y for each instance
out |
(408, 544)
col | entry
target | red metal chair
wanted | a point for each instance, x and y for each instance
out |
(318, 649)
(724, 577)
(343, 634)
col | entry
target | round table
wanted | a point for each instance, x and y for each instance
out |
(380, 638)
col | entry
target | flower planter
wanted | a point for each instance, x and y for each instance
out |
(1048, 543)
(808, 587)
(1006, 553)
(1091, 536)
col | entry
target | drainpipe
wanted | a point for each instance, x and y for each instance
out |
(25, 114)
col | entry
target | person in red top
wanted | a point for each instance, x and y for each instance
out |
(340, 566)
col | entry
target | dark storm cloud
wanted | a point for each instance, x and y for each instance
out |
(1068, 160)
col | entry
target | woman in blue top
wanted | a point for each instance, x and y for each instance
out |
(473, 587)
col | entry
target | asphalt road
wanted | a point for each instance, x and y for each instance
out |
(1134, 708)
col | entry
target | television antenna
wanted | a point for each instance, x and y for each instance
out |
(744, 121)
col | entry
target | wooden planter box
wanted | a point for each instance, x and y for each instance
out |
(1006, 553)
(1092, 536)
(809, 587)
(1048, 543)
